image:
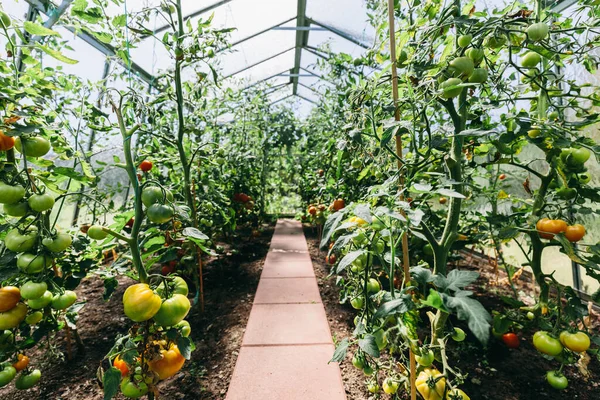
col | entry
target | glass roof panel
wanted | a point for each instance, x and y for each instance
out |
(134, 6)
(276, 65)
(308, 94)
(349, 16)
(279, 94)
(335, 43)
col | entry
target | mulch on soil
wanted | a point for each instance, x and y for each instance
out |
(494, 373)
(230, 283)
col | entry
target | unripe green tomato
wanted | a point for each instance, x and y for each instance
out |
(479, 75)
(373, 286)
(530, 59)
(41, 202)
(584, 178)
(5, 19)
(11, 194)
(464, 40)
(358, 361)
(34, 318)
(33, 290)
(33, 263)
(379, 247)
(40, 302)
(357, 302)
(458, 335)
(426, 358)
(449, 88)
(368, 370)
(7, 375)
(530, 316)
(461, 67)
(373, 387)
(537, 32)
(64, 301)
(59, 243)
(19, 209)
(495, 41)
(475, 54)
(20, 242)
(97, 232)
(185, 328)
(27, 381)
(356, 163)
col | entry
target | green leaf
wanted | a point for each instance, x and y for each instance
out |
(186, 346)
(111, 381)
(348, 259)
(399, 305)
(472, 311)
(330, 225)
(194, 233)
(456, 280)
(434, 300)
(33, 28)
(340, 351)
(364, 212)
(369, 345)
(56, 54)
(450, 193)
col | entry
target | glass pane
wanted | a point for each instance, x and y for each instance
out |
(349, 16)
(280, 64)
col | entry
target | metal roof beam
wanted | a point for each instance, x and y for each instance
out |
(276, 88)
(340, 33)
(281, 99)
(301, 41)
(263, 80)
(304, 98)
(258, 63)
(310, 88)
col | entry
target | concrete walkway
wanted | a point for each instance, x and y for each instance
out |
(287, 343)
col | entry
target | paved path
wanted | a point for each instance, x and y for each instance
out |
(287, 343)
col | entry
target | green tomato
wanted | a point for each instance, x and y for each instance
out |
(390, 386)
(58, 243)
(379, 247)
(184, 328)
(428, 250)
(537, 32)
(373, 286)
(377, 224)
(530, 316)
(41, 202)
(495, 41)
(426, 358)
(21, 241)
(356, 163)
(41, 302)
(373, 387)
(580, 155)
(449, 89)
(12, 318)
(458, 335)
(479, 75)
(32, 263)
(32, 147)
(33, 290)
(464, 40)
(176, 286)
(27, 381)
(358, 361)
(97, 232)
(531, 59)
(5, 19)
(357, 303)
(475, 54)
(566, 193)
(64, 301)
(173, 310)
(461, 67)
(7, 375)
(34, 317)
(368, 370)
(159, 213)
(155, 195)
(360, 238)
(19, 209)
(544, 343)
(557, 380)
(11, 194)
(380, 339)
(133, 390)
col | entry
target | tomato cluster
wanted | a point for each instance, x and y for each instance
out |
(548, 228)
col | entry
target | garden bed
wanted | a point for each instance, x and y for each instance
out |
(230, 284)
(494, 373)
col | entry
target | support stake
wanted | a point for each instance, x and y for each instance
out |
(405, 258)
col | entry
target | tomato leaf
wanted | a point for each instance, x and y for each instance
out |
(362, 211)
(186, 346)
(434, 300)
(369, 345)
(456, 280)
(348, 259)
(194, 233)
(399, 305)
(340, 351)
(33, 28)
(110, 382)
(472, 311)
(330, 226)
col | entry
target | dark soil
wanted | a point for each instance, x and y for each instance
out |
(493, 373)
(230, 284)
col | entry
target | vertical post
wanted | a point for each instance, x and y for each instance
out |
(405, 258)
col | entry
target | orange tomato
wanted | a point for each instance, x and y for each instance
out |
(22, 363)
(312, 210)
(6, 142)
(330, 259)
(121, 365)
(146, 165)
(443, 200)
(575, 233)
(9, 297)
(170, 363)
(339, 204)
(547, 228)
(502, 177)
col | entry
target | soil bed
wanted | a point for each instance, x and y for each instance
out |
(495, 373)
(230, 282)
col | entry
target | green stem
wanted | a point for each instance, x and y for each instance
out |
(134, 240)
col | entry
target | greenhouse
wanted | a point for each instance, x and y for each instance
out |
(299, 199)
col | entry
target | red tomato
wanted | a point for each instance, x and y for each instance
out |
(511, 340)
(146, 165)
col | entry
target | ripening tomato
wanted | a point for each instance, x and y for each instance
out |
(511, 340)
(577, 342)
(9, 297)
(547, 228)
(547, 344)
(170, 363)
(575, 233)
(339, 204)
(33, 146)
(6, 142)
(146, 165)
(140, 302)
(431, 384)
(443, 200)
(457, 394)
(121, 365)
(373, 387)
(390, 386)
(12, 318)
(502, 177)
(22, 363)
(330, 259)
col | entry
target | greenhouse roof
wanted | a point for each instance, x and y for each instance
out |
(277, 42)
